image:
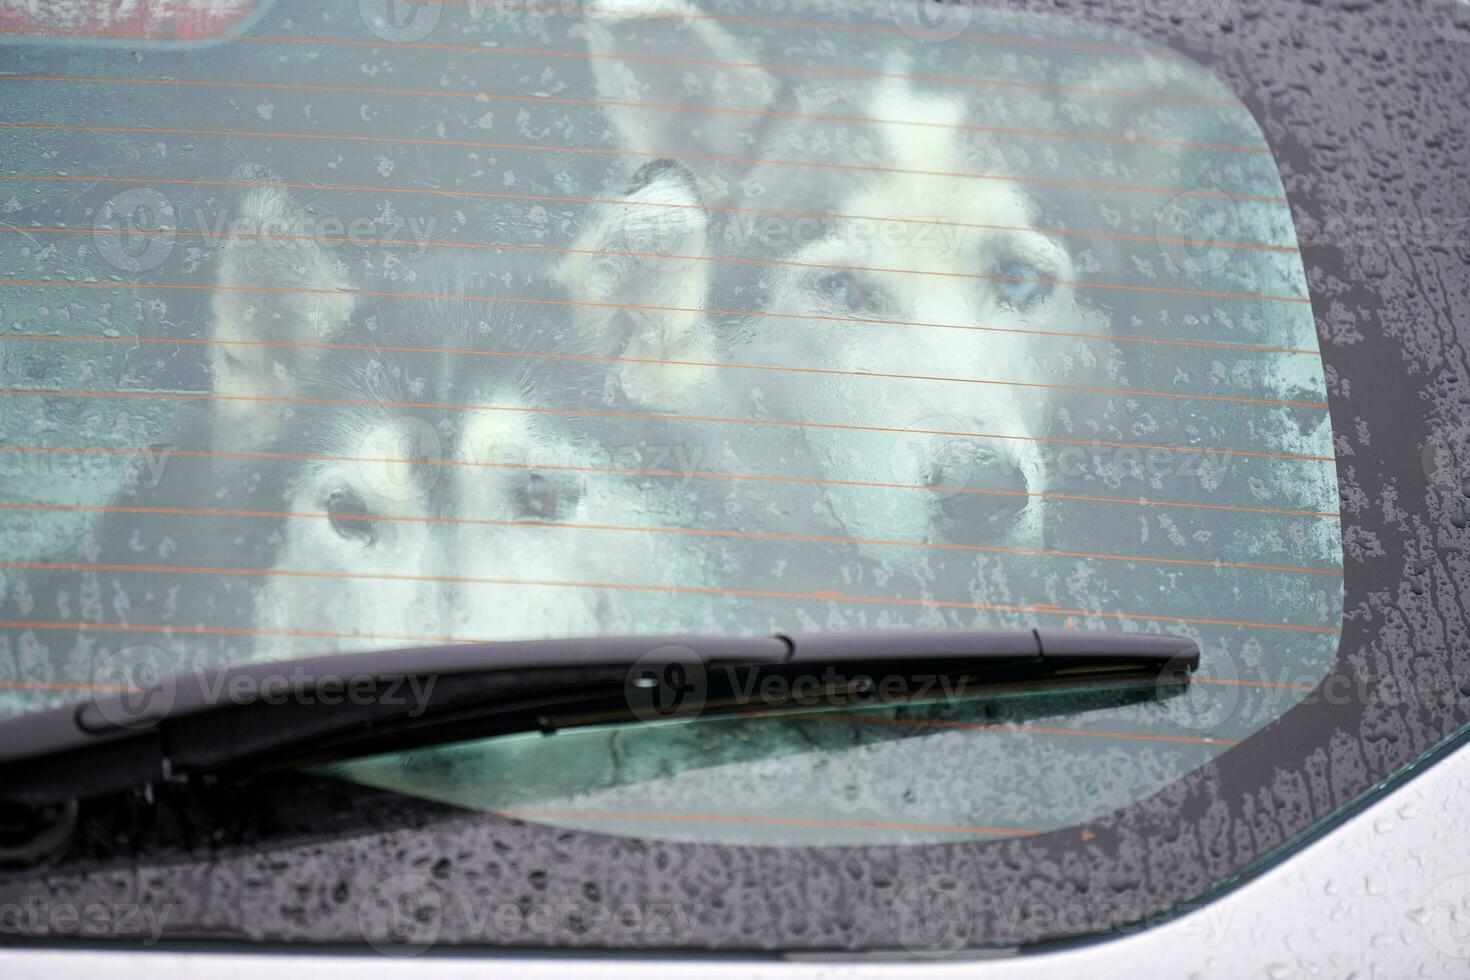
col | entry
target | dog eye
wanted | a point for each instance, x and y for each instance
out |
(850, 291)
(542, 499)
(1021, 285)
(350, 517)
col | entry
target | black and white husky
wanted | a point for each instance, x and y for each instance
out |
(473, 457)
(908, 259)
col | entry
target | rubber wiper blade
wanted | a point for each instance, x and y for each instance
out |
(243, 719)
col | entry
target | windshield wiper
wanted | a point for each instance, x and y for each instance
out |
(244, 719)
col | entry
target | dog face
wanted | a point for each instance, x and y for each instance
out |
(897, 276)
(479, 526)
(898, 297)
(904, 245)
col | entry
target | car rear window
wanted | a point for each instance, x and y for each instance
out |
(371, 331)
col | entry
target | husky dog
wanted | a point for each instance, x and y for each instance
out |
(390, 469)
(929, 307)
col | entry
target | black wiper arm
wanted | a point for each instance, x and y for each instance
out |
(245, 718)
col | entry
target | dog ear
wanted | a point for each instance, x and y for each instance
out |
(631, 63)
(639, 280)
(276, 287)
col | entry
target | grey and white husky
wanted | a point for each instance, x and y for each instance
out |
(467, 460)
(921, 310)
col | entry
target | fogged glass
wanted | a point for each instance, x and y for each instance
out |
(513, 323)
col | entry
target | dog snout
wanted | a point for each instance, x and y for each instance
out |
(982, 491)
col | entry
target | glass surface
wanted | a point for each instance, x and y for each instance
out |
(337, 339)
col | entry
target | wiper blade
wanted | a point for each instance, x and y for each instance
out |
(242, 719)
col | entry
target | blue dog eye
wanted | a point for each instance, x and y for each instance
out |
(848, 290)
(840, 288)
(1018, 285)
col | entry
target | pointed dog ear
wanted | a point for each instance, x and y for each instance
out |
(276, 287)
(639, 280)
(632, 66)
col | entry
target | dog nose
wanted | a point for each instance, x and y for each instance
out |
(982, 494)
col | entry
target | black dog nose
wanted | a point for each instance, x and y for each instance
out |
(981, 494)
